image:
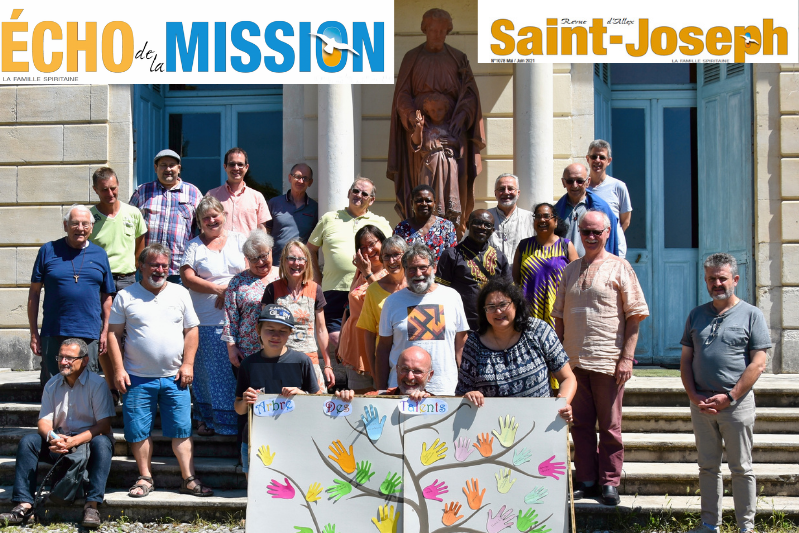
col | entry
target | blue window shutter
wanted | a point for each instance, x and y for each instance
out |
(602, 102)
(149, 127)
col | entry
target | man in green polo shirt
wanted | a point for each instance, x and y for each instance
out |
(118, 228)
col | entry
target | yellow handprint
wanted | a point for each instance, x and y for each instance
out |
(265, 455)
(313, 492)
(388, 519)
(507, 430)
(435, 453)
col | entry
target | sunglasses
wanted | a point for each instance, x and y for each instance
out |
(594, 157)
(591, 232)
(236, 164)
(356, 192)
(572, 181)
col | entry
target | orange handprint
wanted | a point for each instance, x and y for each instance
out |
(473, 494)
(483, 445)
(451, 513)
(345, 460)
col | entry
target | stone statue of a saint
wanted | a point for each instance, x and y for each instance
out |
(436, 124)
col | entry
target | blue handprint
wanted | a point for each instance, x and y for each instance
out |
(521, 456)
(374, 428)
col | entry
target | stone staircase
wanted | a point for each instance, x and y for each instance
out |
(660, 472)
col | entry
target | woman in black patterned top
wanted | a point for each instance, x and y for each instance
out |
(511, 353)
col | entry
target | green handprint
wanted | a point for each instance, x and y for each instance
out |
(363, 472)
(507, 431)
(526, 521)
(541, 529)
(521, 456)
(391, 483)
(301, 529)
(341, 488)
(330, 528)
(504, 482)
(536, 495)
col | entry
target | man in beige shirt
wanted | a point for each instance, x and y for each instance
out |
(597, 312)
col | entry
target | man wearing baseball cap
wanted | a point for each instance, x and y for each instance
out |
(276, 369)
(167, 205)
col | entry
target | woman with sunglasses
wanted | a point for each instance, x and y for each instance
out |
(512, 353)
(539, 263)
(351, 350)
(424, 226)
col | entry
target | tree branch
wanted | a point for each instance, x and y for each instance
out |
(457, 527)
(307, 504)
(537, 524)
(395, 455)
(431, 424)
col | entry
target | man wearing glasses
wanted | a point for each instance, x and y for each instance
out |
(335, 236)
(723, 353)
(512, 222)
(613, 191)
(577, 200)
(597, 313)
(294, 214)
(76, 410)
(245, 208)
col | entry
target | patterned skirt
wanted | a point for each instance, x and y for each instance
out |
(214, 385)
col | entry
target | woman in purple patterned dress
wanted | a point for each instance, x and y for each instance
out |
(425, 227)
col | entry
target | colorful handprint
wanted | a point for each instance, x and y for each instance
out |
(391, 483)
(548, 468)
(521, 456)
(504, 482)
(473, 494)
(483, 445)
(435, 453)
(276, 490)
(507, 431)
(265, 455)
(313, 492)
(451, 513)
(536, 495)
(527, 520)
(463, 449)
(434, 489)
(503, 520)
(388, 519)
(330, 528)
(364, 472)
(374, 427)
(339, 489)
(345, 460)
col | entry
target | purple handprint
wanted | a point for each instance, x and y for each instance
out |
(463, 449)
(434, 489)
(276, 490)
(548, 468)
(503, 520)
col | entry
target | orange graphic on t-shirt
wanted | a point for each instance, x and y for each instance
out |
(426, 323)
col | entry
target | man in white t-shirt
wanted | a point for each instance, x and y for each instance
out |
(157, 366)
(613, 191)
(426, 315)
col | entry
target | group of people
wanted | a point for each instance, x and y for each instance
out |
(525, 303)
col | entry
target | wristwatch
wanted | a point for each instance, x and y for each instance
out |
(733, 401)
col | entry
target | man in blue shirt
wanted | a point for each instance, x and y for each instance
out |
(294, 214)
(78, 283)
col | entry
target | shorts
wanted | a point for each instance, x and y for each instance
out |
(139, 408)
(337, 301)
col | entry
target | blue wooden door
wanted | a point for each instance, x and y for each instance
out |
(148, 130)
(724, 95)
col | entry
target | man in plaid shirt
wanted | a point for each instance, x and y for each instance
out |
(168, 206)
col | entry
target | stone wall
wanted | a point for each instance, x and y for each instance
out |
(51, 140)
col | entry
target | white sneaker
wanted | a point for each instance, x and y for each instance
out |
(702, 528)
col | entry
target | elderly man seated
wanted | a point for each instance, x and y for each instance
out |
(76, 412)
(414, 369)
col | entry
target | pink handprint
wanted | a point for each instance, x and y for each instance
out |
(276, 490)
(432, 491)
(548, 468)
(463, 449)
(503, 520)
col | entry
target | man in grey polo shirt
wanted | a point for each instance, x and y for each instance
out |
(723, 353)
(294, 214)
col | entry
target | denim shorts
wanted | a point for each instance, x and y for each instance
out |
(245, 458)
(139, 408)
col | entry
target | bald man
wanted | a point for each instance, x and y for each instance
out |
(468, 266)
(414, 369)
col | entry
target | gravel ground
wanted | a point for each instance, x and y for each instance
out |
(133, 527)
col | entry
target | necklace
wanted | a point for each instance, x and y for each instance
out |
(77, 275)
(496, 339)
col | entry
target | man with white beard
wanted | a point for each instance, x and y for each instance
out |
(512, 223)
(424, 314)
(157, 366)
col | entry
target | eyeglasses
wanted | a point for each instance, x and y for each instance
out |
(422, 269)
(404, 370)
(364, 194)
(158, 266)
(295, 259)
(591, 232)
(76, 224)
(572, 181)
(501, 307)
(482, 224)
(164, 166)
(392, 257)
(543, 216)
(370, 245)
(300, 177)
(261, 258)
(715, 325)
(69, 360)
(594, 157)
(236, 164)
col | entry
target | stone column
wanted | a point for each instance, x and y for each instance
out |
(336, 136)
(532, 132)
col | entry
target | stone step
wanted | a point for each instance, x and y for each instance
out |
(681, 448)
(216, 446)
(19, 414)
(217, 473)
(678, 420)
(771, 390)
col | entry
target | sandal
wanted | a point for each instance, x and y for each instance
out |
(145, 489)
(204, 431)
(17, 515)
(198, 489)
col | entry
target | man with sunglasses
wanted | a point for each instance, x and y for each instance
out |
(577, 201)
(613, 191)
(597, 312)
(294, 214)
(246, 208)
(335, 236)
(723, 353)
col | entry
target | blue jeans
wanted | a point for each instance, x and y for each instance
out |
(33, 448)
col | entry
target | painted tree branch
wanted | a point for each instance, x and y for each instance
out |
(307, 504)
(538, 524)
(395, 455)
(437, 422)
(456, 528)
